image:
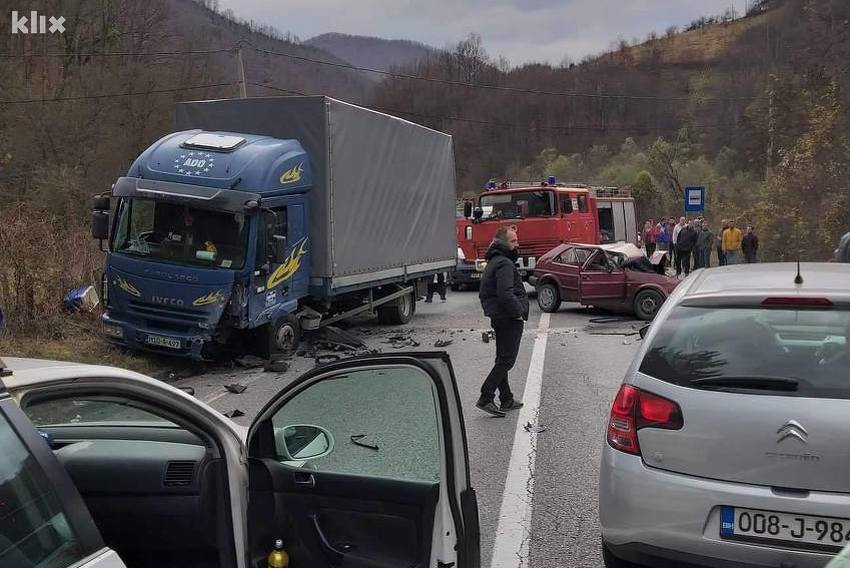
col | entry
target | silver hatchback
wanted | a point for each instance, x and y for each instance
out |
(728, 443)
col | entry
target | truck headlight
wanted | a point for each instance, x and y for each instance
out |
(460, 254)
(468, 232)
(113, 331)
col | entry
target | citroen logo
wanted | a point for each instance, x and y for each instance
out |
(792, 429)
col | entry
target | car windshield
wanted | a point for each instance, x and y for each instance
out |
(182, 234)
(752, 347)
(518, 205)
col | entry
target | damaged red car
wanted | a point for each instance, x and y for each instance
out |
(617, 277)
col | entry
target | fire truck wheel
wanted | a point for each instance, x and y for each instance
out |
(548, 297)
(647, 304)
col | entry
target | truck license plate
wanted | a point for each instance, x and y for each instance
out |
(805, 531)
(160, 341)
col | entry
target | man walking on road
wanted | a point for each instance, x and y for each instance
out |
(505, 302)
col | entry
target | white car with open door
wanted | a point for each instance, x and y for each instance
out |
(361, 463)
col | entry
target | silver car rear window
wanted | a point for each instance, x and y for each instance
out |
(811, 347)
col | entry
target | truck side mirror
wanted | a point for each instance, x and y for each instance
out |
(467, 209)
(279, 248)
(101, 203)
(100, 225)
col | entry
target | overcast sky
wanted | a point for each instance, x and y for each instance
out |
(520, 30)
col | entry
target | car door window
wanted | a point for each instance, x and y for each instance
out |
(34, 529)
(568, 257)
(382, 422)
(598, 262)
(90, 411)
(582, 255)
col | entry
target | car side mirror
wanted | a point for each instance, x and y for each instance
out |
(279, 248)
(302, 442)
(100, 225)
(467, 209)
(644, 330)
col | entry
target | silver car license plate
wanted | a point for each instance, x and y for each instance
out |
(785, 529)
(160, 341)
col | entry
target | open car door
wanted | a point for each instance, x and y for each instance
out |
(364, 464)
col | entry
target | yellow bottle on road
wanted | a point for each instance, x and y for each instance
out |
(278, 558)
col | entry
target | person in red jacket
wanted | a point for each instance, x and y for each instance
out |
(649, 237)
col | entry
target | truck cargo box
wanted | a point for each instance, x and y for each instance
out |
(383, 201)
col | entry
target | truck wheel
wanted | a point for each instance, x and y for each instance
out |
(398, 312)
(283, 336)
(647, 304)
(548, 298)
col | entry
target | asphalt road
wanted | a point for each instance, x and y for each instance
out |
(583, 365)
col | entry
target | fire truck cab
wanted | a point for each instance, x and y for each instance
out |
(545, 215)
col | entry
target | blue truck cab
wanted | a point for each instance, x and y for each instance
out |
(219, 236)
(210, 234)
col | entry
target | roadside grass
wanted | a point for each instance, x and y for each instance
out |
(80, 341)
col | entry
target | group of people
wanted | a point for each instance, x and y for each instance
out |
(690, 242)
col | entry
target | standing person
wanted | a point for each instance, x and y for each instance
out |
(649, 237)
(750, 246)
(675, 244)
(662, 238)
(438, 285)
(732, 240)
(705, 242)
(718, 243)
(505, 302)
(685, 245)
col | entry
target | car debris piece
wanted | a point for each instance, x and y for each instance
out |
(531, 428)
(250, 361)
(276, 366)
(82, 299)
(236, 388)
(487, 336)
(235, 413)
(443, 343)
(356, 440)
(328, 358)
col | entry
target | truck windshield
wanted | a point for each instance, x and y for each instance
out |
(518, 205)
(181, 234)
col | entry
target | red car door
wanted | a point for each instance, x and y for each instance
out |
(566, 268)
(601, 279)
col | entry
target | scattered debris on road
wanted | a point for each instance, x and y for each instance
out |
(235, 413)
(486, 336)
(356, 440)
(443, 343)
(236, 388)
(529, 427)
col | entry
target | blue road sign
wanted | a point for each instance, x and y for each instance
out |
(694, 199)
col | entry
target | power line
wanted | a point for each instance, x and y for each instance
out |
(113, 95)
(487, 86)
(564, 127)
(118, 54)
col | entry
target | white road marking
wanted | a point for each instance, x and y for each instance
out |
(513, 535)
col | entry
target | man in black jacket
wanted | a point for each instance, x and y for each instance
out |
(505, 302)
(685, 243)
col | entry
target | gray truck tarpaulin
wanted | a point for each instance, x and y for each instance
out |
(384, 188)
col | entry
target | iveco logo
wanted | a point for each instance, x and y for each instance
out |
(792, 429)
(166, 301)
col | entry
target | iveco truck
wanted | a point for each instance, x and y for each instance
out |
(261, 217)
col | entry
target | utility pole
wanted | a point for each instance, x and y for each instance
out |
(243, 87)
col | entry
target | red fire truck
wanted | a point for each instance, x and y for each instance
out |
(545, 215)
